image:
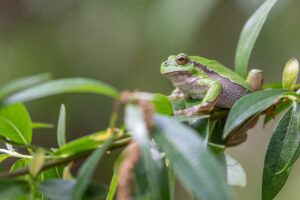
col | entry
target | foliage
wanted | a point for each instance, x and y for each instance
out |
(190, 148)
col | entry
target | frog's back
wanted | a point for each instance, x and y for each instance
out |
(221, 70)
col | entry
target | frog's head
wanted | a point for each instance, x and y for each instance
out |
(176, 65)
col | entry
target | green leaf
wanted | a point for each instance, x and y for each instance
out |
(141, 183)
(24, 162)
(273, 86)
(58, 189)
(179, 104)
(61, 127)
(249, 35)
(51, 173)
(114, 182)
(23, 83)
(291, 148)
(36, 125)
(113, 186)
(191, 119)
(134, 121)
(11, 189)
(235, 173)
(193, 163)
(280, 150)
(249, 105)
(15, 123)
(3, 157)
(162, 104)
(87, 169)
(84, 143)
(61, 86)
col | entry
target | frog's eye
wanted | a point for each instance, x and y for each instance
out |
(181, 60)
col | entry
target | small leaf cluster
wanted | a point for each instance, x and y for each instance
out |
(157, 145)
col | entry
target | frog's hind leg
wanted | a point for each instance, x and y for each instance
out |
(210, 99)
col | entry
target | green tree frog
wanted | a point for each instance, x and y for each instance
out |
(201, 78)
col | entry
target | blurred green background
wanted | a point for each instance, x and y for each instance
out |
(124, 42)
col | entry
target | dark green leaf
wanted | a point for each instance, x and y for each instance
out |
(11, 189)
(249, 105)
(51, 173)
(249, 35)
(171, 176)
(61, 86)
(193, 163)
(87, 169)
(61, 127)
(58, 189)
(142, 186)
(15, 123)
(94, 191)
(201, 125)
(292, 146)
(280, 150)
(216, 139)
(283, 105)
(179, 104)
(134, 121)
(162, 104)
(23, 83)
(36, 125)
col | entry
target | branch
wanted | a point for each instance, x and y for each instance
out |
(56, 162)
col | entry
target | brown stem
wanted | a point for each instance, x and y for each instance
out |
(56, 162)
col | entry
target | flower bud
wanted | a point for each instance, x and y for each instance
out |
(37, 162)
(290, 74)
(67, 173)
(255, 79)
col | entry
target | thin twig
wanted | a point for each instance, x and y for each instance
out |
(56, 162)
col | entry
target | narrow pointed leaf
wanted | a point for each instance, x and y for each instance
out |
(84, 143)
(36, 125)
(61, 127)
(235, 173)
(249, 35)
(193, 163)
(278, 154)
(58, 189)
(23, 83)
(134, 121)
(249, 105)
(62, 86)
(113, 186)
(3, 157)
(15, 124)
(87, 169)
(292, 147)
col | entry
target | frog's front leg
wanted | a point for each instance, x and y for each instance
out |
(209, 100)
(177, 94)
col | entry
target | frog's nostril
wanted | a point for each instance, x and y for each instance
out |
(166, 63)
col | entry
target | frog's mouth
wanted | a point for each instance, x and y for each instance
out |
(175, 73)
